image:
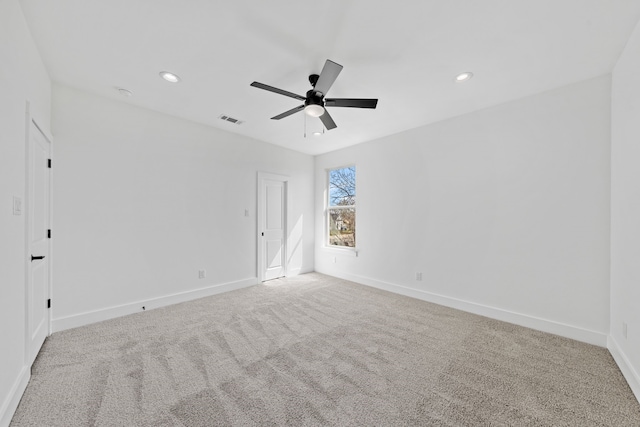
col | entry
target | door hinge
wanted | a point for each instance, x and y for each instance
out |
(49, 163)
(49, 233)
(49, 303)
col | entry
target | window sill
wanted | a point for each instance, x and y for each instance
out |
(341, 250)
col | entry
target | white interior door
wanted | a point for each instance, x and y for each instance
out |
(38, 240)
(273, 228)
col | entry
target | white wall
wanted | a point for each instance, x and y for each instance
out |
(625, 212)
(505, 211)
(23, 79)
(144, 200)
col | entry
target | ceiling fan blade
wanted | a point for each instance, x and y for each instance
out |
(327, 121)
(328, 75)
(351, 102)
(276, 90)
(288, 113)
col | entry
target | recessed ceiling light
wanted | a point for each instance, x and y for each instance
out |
(317, 133)
(463, 77)
(170, 77)
(124, 92)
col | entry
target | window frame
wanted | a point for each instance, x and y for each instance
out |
(328, 208)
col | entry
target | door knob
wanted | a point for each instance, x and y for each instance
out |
(36, 257)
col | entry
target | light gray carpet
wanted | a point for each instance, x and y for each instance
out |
(317, 351)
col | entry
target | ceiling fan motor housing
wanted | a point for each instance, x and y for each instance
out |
(314, 98)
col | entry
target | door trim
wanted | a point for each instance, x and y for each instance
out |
(27, 253)
(262, 176)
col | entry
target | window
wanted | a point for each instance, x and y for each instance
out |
(342, 207)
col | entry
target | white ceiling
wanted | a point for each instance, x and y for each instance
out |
(406, 53)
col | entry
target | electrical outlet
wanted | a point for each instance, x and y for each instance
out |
(419, 276)
(246, 212)
(202, 274)
(624, 330)
(334, 260)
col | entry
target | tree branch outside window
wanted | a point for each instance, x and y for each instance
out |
(342, 207)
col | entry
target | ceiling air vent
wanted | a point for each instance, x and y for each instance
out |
(230, 119)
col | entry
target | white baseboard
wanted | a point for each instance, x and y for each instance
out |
(544, 325)
(629, 373)
(12, 400)
(81, 319)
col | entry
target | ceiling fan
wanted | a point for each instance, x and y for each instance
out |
(315, 101)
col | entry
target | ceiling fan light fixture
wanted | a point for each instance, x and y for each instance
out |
(170, 77)
(463, 77)
(314, 110)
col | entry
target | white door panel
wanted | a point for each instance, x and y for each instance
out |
(274, 206)
(274, 254)
(39, 276)
(272, 223)
(37, 237)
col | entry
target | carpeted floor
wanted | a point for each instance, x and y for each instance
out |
(313, 350)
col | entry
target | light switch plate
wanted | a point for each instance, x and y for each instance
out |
(17, 205)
